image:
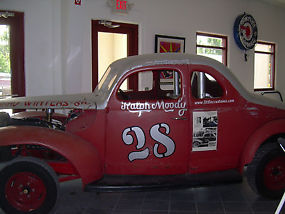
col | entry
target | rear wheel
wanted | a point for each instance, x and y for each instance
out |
(28, 185)
(266, 173)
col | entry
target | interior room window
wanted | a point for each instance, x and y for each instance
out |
(152, 85)
(212, 45)
(264, 66)
(205, 86)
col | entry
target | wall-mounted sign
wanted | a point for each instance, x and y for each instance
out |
(77, 2)
(245, 31)
(120, 6)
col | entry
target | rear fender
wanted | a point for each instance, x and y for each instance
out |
(82, 154)
(273, 128)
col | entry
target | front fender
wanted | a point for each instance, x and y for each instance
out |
(82, 154)
(272, 128)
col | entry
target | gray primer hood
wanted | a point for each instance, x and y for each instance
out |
(80, 101)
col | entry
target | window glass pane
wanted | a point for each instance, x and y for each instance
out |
(153, 85)
(145, 81)
(263, 69)
(264, 48)
(145, 84)
(205, 86)
(209, 41)
(212, 46)
(213, 53)
(5, 67)
(170, 83)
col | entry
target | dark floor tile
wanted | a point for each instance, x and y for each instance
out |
(232, 195)
(101, 204)
(205, 194)
(131, 204)
(97, 211)
(264, 206)
(269, 212)
(238, 207)
(154, 212)
(158, 195)
(124, 212)
(209, 207)
(182, 206)
(239, 213)
(155, 205)
(183, 195)
(211, 213)
(183, 212)
(106, 196)
(132, 195)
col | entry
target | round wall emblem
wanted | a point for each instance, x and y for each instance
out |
(245, 31)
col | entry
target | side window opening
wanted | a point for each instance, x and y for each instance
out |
(203, 85)
(170, 83)
(151, 85)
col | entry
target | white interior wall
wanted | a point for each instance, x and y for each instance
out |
(58, 35)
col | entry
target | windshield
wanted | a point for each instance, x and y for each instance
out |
(107, 81)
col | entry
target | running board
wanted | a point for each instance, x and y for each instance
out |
(115, 183)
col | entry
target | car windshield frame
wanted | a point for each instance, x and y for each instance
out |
(106, 83)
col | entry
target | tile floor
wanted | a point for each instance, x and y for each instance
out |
(221, 199)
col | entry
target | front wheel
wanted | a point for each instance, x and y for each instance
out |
(266, 173)
(28, 185)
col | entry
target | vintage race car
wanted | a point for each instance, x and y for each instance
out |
(139, 129)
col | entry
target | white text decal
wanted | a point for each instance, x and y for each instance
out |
(139, 107)
(156, 134)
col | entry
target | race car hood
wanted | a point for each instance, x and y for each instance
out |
(77, 101)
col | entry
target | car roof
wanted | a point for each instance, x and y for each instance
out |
(123, 66)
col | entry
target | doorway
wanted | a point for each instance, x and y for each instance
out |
(12, 73)
(111, 41)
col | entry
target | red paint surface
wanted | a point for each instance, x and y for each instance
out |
(100, 142)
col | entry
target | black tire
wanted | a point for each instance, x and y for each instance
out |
(266, 173)
(28, 185)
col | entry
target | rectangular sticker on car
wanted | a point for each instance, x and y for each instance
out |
(205, 131)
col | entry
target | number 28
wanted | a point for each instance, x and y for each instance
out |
(161, 139)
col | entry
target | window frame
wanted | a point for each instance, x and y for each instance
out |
(224, 42)
(273, 53)
(155, 84)
(219, 85)
(16, 23)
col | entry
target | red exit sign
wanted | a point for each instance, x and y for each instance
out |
(121, 5)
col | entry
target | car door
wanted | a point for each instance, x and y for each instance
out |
(148, 123)
(217, 119)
